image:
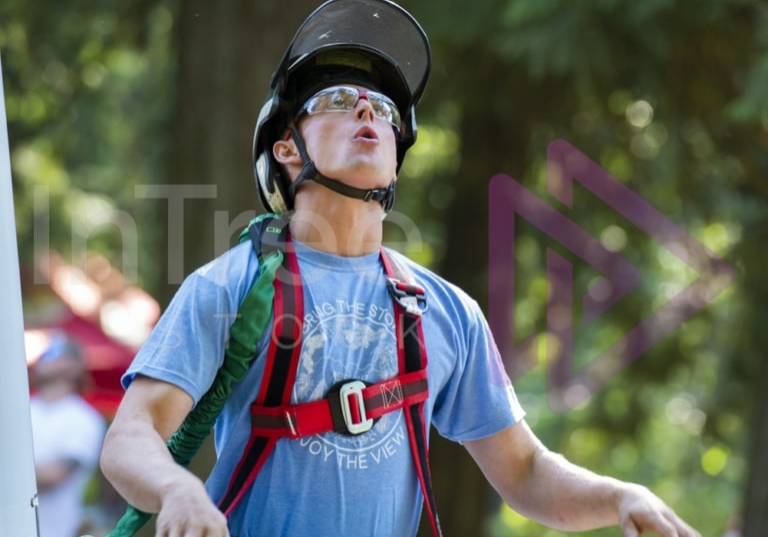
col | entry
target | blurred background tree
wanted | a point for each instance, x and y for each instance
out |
(140, 115)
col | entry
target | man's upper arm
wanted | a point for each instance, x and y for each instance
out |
(159, 403)
(507, 458)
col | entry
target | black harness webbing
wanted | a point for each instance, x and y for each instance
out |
(412, 355)
(282, 358)
(352, 411)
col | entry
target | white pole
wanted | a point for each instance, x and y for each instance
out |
(18, 490)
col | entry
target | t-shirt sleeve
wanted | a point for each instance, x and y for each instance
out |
(186, 347)
(478, 400)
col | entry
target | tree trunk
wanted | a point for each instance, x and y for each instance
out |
(495, 138)
(490, 145)
(227, 51)
(756, 490)
(756, 498)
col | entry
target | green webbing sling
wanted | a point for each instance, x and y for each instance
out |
(252, 319)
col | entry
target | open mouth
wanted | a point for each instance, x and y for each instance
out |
(366, 133)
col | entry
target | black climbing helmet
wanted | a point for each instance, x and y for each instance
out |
(374, 43)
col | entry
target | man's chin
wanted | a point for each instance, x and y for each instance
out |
(365, 177)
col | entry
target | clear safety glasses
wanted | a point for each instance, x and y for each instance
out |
(345, 98)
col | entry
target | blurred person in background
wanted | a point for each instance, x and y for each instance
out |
(67, 434)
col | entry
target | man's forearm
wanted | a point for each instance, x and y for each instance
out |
(137, 462)
(544, 486)
(565, 496)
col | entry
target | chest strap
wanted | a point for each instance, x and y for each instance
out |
(353, 406)
(350, 409)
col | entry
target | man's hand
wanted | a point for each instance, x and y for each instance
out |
(641, 512)
(137, 461)
(545, 487)
(189, 512)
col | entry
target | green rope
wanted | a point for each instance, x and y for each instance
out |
(244, 335)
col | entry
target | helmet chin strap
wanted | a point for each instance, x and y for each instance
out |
(309, 173)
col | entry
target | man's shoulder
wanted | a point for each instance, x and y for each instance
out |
(233, 269)
(411, 267)
(236, 258)
(429, 279)
(223, 280)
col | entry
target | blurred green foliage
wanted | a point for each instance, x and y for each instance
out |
(88, 87)
(668, 96)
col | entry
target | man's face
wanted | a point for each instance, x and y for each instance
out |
(355, 146)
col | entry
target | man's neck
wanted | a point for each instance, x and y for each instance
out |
(346, 227)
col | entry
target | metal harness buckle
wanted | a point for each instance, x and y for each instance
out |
(410, 297)
(355, 418)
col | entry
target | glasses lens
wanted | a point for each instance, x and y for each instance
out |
(338, 99)
(345, 98)
(384, 108)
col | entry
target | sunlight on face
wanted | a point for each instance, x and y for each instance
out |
(355, 146)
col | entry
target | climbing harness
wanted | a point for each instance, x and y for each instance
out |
(352, 405)
(350, 408)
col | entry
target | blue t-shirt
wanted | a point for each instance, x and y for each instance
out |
(332, 484)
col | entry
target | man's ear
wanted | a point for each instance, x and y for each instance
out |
(285, 152)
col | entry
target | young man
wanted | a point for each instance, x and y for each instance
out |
(352, 347)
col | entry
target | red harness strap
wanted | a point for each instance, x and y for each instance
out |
(354, 405)
(280, 367)
(409, 303)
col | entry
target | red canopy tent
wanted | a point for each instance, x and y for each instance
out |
(108, 317)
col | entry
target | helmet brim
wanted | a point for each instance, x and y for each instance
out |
(379, 30)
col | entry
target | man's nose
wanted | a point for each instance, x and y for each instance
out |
(364, 109)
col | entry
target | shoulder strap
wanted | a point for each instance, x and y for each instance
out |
(410, 303)
(282, 356)
(253, 316)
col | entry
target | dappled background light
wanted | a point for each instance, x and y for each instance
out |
(667, 97)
